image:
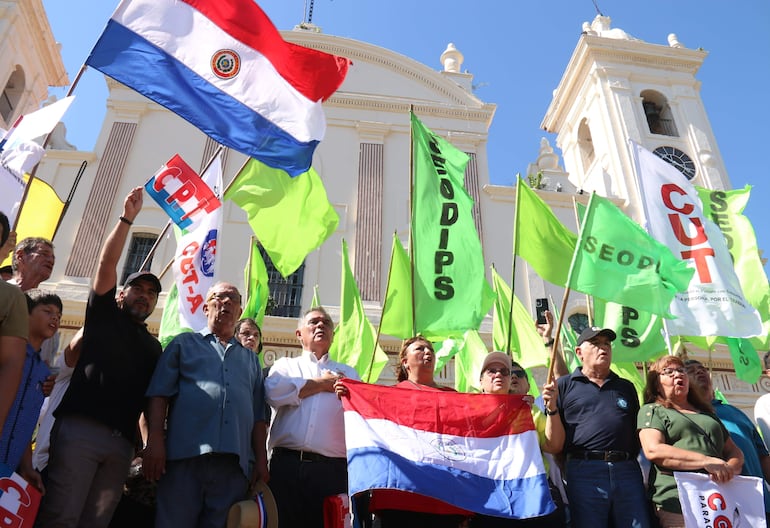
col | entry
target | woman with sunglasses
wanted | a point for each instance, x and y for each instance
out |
(499, 375)
(680, 432)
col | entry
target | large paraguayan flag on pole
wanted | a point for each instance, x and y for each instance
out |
(478, 452)
(223, 66)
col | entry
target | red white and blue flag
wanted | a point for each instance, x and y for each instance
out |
(185, 197)
(477, 452)
(19, 500)
(223, 66)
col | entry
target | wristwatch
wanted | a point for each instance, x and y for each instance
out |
(551, 413)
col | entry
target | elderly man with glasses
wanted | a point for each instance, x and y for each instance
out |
(211, 388)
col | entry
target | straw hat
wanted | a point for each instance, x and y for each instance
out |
(258, 512)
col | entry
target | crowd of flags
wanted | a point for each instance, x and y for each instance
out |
(694, 274)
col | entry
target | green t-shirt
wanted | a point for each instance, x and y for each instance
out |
(13, 312)
(679, 431)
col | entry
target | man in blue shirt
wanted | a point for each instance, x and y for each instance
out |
(756, 461)
(211, 388)
(15, 443)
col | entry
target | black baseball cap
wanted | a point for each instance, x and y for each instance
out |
(145, 276)
(593, 331)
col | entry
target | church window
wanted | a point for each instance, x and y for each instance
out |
(658, 114)
(285, 293)
(138, 249)
(11, 96)
(586, 144)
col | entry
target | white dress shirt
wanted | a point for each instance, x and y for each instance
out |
(314, 423)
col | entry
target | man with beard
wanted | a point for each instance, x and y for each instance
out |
(92, 442)
(212, 390)
(307, 434)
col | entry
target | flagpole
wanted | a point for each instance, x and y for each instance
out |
(45, 144)
(588, 297)
(163, 231)
(513, 264)
(555, 344)
(252, 241)
(411, 214)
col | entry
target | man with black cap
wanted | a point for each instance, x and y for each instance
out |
(598, 409)
(92, 441)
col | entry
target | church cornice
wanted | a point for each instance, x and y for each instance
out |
(390, 60)
(608, 54)
(49, 54)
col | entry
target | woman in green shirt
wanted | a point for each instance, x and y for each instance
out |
(680, 432)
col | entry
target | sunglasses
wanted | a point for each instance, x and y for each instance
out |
(504, 371)
(519, 373)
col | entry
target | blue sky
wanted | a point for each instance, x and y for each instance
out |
(517, 52)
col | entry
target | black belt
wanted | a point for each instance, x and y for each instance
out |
(607, 456)
(306, 456)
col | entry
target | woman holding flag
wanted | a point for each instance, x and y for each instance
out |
(680, 432)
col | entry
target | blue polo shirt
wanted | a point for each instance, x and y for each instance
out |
(215, 392)
(22, 418)
(746, 437)
(598, 418)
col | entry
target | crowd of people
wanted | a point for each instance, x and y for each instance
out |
(207, 425)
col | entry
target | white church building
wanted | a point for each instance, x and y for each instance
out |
(613, 88)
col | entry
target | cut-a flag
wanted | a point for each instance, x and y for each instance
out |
(224, 67)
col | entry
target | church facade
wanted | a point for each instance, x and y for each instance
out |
(614, 87)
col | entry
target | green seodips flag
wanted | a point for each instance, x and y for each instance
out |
(355, 338)
(290, 216)
(255, 279)
(451, 293)
(616, 260)
(540, 238)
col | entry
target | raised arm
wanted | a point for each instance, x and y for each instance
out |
(106, 273)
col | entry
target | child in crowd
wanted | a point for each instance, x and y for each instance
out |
(15, 444)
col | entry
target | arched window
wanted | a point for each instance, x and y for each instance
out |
(138, 249)
(11, 96)
(285, 294)
(586, 144)
(658, 113)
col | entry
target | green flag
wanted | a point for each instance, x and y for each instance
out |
(640, 336)
(290, 216)
(170, 327)
(540, 238)
(396, 317)
(725, 208)
(257, 290)
(616, 260)
(355, 340)
(748, 366)
(526, 345)
(468, 361)
(628, 370)
(451, 294)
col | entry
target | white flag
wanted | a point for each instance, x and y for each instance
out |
(195, 262)
(39, 122)
(736, 503)
(714, 304)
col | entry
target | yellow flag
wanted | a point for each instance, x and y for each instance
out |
(39, 214)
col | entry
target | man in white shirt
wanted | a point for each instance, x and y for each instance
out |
(307, 435)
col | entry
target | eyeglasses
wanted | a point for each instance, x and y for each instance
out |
(221, 296)
(670, 371)
(519, 373)
(504, 371)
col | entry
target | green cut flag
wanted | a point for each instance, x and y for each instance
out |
(290, 216)
(640, 336)
(170, 327)
(257, 292)
(396, 317)
(748, 366)
(526, 345)
(725, 208)
(616, 260)
(540, 238)
(355, 340)
(451, 293)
